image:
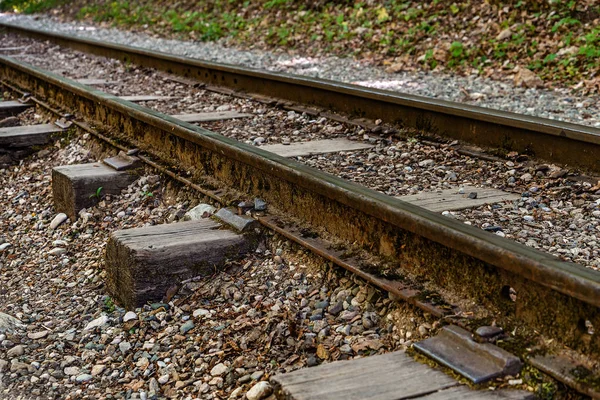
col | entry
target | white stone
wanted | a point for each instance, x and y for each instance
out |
(124, 347)
(71, 371)
(98, 369)
(236, 393)
(57, 251)
(37, 335)
(59, 219)
(100, 321)
(129, 316)
(199, 212)
(218, 369)
(201, 312)
(505, 34)
(9, 323)
(259, 391)
(4, 246)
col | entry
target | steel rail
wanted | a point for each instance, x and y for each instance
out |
(555, 141)
(554, 297)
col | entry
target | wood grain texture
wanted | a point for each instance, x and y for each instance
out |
(465, 393)
(142, 263)
(383, 377)
(27, 136)
(9, 108)
(451, 200)
(74, 186)
(302, 149)
(391, 376)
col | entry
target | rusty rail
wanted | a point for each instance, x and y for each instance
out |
(554, 297)
(555, 141)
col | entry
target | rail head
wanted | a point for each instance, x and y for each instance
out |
(571, 279)
(576, 132)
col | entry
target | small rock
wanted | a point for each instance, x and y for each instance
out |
(4, 246)
(16, 351)
(71, 371)
(426, 163)
(527, 78)
(488, 331)
(199, 212)
(98, 322)
(57, 251)
(185, 328)
(124, 347)
(37, 335)
(526, 177)
(200, 313)
(59, 219)
(259, 391)
(218, 369)
(129, 316)
(336, 308)
(257, 375)
(83, 378)
(9, 323)
(558, 174)
(505, 34)
(472, 195)
(98, 369)
(260, 205)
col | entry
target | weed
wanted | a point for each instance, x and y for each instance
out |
(29, 6)
(97, 194)
(109, 304)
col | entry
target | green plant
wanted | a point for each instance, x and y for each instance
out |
(28, 6)
(97, 194)
(109, 304)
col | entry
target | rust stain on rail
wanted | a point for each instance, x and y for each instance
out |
(553, 297)
(570, 144)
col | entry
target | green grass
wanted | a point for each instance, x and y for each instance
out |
(380, 33)
(29, 6)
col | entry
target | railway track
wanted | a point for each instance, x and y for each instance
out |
(553, 297)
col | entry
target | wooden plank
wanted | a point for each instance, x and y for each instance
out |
(303, 149)
(464, 393)
(392, 376)
(450, 199)
(95, 81)
(140, 98)
(27, 136)
(143, 263)
(9, 108)
(75, 187)
(210, 116)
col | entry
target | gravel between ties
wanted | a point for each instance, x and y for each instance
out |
(561, 104)
(217, 337)
(557, 213)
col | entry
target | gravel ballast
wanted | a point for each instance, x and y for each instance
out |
(557, 212)
(559, 104)
(61, 337)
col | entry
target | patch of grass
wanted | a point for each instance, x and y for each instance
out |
(404, 29)
(29, 6)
